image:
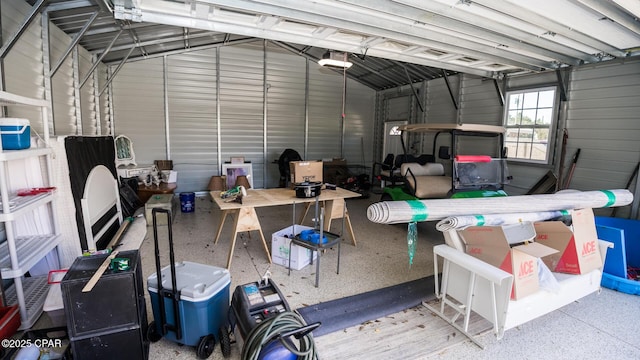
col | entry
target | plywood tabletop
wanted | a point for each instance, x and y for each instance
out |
(278, 196)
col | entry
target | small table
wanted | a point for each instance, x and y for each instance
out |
(247, 219)
(145, 192)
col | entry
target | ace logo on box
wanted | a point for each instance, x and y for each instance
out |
(526, 268)
(578, 249)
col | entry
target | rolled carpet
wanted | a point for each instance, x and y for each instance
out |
(461, 222)
(393, 212)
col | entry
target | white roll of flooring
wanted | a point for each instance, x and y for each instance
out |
(461, 222)
(394, 212)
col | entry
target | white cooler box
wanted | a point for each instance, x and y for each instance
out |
(300, 257)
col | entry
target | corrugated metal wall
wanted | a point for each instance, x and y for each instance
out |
(286, 110)
(89, 111)
(62, 87)
(479, 104)
(250, 127)
(105, 100)
(24, 73)
(440, 107)
(23, 64)
(358, 127)
(603, 121)
(479, 101)
(193, 124)
(325, 113)
(138, 103)
(241, 106)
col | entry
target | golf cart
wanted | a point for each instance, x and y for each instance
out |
(467, 175)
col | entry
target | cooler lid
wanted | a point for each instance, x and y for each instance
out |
(194, 280)
(13, 122)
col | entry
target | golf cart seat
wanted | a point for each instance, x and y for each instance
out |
(426, 181)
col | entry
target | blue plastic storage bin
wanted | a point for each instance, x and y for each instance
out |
(203, 304)
(187, 202)
(16, 133)
(625, 236)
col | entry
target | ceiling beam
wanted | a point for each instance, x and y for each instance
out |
(449, 13)
(375, 24)
(614, 13)
(175, 14)
(632, 6)
(435, 14)
(70, 5)
(525, 15)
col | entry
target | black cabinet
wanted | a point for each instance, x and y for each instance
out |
(111, 319)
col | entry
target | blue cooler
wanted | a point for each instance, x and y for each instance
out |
(16, 133)
(203, 301)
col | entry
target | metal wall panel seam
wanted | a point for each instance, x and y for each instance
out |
(76, 90)
(343, 116)
(306, 110)
(46, 69)
(218, 120)
(96, 98)
(265, 88)
(112, 127)
(165, 89)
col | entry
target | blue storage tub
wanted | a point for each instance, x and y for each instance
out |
(203, 303)
(187, 202)
(625, 236)
(16, 133)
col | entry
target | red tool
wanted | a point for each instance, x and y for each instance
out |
(35, 191)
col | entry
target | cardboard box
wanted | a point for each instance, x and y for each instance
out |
(491, 245)
(302, 171)
(300, 257)
(164, 201)
(578, 251)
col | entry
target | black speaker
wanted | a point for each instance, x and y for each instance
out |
(128, 344)
(113, 310)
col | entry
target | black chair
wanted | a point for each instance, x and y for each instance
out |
(386, 171)
(425, 158)
(404, 158)
(283, 165)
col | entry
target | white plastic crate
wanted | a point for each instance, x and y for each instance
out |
(300, 257)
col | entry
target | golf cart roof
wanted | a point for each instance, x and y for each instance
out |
(475, 128)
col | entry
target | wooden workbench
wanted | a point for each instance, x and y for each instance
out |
(247, 219)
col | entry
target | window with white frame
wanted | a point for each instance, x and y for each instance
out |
(529, 120)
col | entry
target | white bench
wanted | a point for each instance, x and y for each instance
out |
(470, 284)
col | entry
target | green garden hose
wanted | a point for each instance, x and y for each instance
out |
(272, 328)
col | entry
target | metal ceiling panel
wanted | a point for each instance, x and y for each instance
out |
(390, 42)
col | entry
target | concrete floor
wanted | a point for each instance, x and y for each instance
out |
(599, 326)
